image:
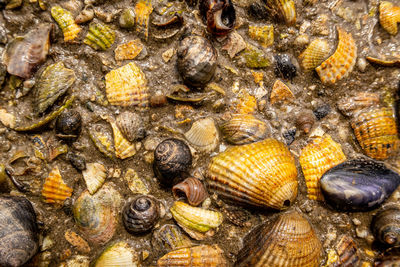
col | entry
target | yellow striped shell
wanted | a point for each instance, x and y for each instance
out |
(54, 189)
(123, 148)
(66, 22)
(341, 63)
(315, 54)
(389, 16)
(120, 254)
(127, 86)
(261, 174)
(203, 135)
(94, 175)
(99, 36)
(320, 155)
(143, 9)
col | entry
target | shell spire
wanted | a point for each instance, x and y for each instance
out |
(54, 189)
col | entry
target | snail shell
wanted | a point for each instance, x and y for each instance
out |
(305, 121)
(219, 15)
(197, 60)
(140, 214)
(69, 125)
(193, 189)
(386, 225)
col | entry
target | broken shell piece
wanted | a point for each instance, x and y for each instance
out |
(123, 148)
(7, 119)
(389, 16)
(234, 44)
(102, 140)
(203, 135)
(135, 183)
(77, 241)
(281, 92)
(118, 254)
(263, 34)
(54, 189)
(386, 63)
(66, 22)
(128, 50)
(94, 176)
(315, 54)
(143, 10)
(99, 36)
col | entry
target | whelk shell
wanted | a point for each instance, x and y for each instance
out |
(94, 176)
(261, 174)
(99, 36)
(123, 148)
(66, 22)
(315, 54)
(120, 254)
(143, 9)
(193, 189)
(283, 9)
(389, 16)
(320, 155)
(54, 189)
(341, 63)
(203, 135)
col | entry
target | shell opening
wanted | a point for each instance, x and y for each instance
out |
(286, 203)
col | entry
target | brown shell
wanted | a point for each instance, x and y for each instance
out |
(280, 92)
(289, 241)
(193, 189)
(305, 120)
(389, 16)
(347, 251)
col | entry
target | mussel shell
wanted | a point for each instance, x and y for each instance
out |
(386, 225)
(69, 125)
(358, 184)
(219, 15)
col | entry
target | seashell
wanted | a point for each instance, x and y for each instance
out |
(219, 15)
(94, 176)
(78, 162)
(77, 241)
(392, 62)
(96, 215)
(281, 92)
(203, 255)
(347, 252)
(120, 254)
(358, 184)
(389, 16)
(136, 184)
(127, 86)
(289, 241)
(244, 129)
(12, 4)
(284, 67)
(320, 155)
(197, 60)
(193, 189)
(54, 189)
(141, 214)
(102, 140)
(123, 148)
(99, 36)
(87, 14)
(203, 135)
(143, 9)
(169, 237)
(261, 174)
(66, 22)
(129, 50)
(235, 215)
(76, 261)
(18, 231)
(158, 101)
(255, 57)
(68, 125)
(172, 159)
(284, 10)
(341, 62)
(386, 225)
(24, 54)
(131, 125)
(390, 258)
(263, 34)
(127, 18)
(53, 83)
(246, 103)
(315, 54)
(305, 120)
(197, 222)
(362, 100)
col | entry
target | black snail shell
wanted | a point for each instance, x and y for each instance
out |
(140, 214)
(284, 67)
(172, 159)
(68, 125)
(197, 60)
(386, 225)
(219, 15)
(18, 231)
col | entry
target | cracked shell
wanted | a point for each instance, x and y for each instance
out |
(66, 22)
(99, 36)
(54, 189)
(315, 54)
(389, 16)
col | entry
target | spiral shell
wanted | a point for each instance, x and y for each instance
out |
(315, 54)
(341, 63)
(219, 15)
(261, 174)
(193, 189)
(99, 36)
(169, 237)
(68, 125)
(141, 214)
(389, 16)
(347, 251)
(203, 135)
(123, 148)
(289, 241)
(281, 92)
(320, 155)
(66, 22)
(305, 120)
(54, 189)
(204, 255)
(94, 176)
(143, 9)
(386, 225)
(131, 126)
(18, 231)
(120, 254)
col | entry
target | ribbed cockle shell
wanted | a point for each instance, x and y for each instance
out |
(123, 148)
(281, 92)
(66, 22)
(54, 189)
(315, 54)
(120, 254)
(94, 176)
(99, 36)
(389, 16)
(203, 135)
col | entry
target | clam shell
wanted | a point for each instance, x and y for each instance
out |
(289, 241)
(169, 237)
(315, 54)
(203, 135)
(99, 36)
(386, 225)
(120, 254)
(320, 155)
(204, 255)
(280, 92)
(53, 83)
(131, 125)
(341, 63)
(261, 174)
(54, 189)
(193, 189)
(127, 86)
(143, 9)
(94, 176)
(389, 16)
(66, 22)
(358, 184)
(123, 148)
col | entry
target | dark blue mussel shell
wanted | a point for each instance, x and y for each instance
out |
(358, 184)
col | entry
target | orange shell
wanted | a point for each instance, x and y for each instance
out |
(54, 189)
(128, 50)
(389, 16)
(280, 92)
(314, 54)
(143, 10)
(320, 155)
(261, 174)
(341, 63)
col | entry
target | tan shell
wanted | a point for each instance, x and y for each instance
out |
(203, 135)
(315, 54)
(280, 92)
(54, 189)
(123, 148)
(362, 100)
(94, 175)
(389, 16)
(120, 254)
(264, 34)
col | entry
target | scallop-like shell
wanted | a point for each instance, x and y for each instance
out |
(53, 83)
(289, 241)
(197, 222)
(386, 225)
(193, 189)
(96, 215)
(200, 256)
(131, 125)
(94, 176)
(261, 174)
(123, 148)
(127, 86)
(320, 155)
(169, 237)
(99, 36)
(341, 63)
(315, 54)
(389, 16)
(203, 135)
(281, 92)
(143, 9)
(244, 129)
(120, 254)
(54, 189)
(66, 22)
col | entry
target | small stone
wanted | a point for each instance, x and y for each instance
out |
(77, 241)
(168, 54)
(47, 243)
(322, 111)
(302, 40)
(289, 136)
(361, 64)
(127, 18)
(129, 50)
(7, 119)
(356, 222)
(361, 232)
(234, 44)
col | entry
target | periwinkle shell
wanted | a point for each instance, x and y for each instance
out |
(69, 124)
(140, 214)
(18, 231)
(358, 184)
(386, 225)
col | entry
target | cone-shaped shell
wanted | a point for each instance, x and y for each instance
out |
(94, 176)
(143, 9)
(127, 86)
(341, 63)
(99, 36)
(200, 256)
(315, 54)
(389, 16)
(289, 241)
(320, 155)
(280, 92)
(54, 189)
(66, 22)
(261, 174)
(193, 189)
(123, 148)
(120, 254)
(203, 135)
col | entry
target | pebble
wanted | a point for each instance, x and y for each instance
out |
(356, 222)
(361, 232)
(127, 18)
(361, 64)
(301, 40)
